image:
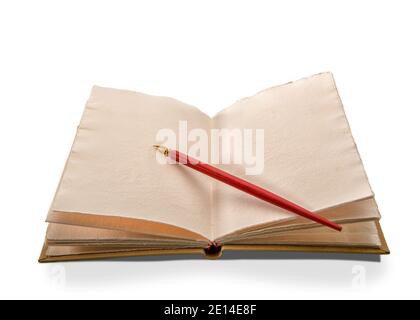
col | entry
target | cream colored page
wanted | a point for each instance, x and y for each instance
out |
(112, 168)
(353, 234)
(350, 212)
(310, 157)
(67, 233)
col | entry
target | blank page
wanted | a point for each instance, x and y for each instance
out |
(112, 168)
(310, 156)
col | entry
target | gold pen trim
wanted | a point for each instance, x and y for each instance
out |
(162, 149)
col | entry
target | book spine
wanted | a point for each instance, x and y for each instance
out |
(213, 250)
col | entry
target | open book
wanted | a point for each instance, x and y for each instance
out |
(115, 199)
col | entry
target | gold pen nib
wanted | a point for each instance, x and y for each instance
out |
(161, 149)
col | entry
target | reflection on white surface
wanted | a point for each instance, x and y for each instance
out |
(264, 270)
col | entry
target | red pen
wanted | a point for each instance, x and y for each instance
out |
(245, 186)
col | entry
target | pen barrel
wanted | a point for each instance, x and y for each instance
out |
(249, 188)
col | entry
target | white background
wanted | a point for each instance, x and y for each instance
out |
(206, 53)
